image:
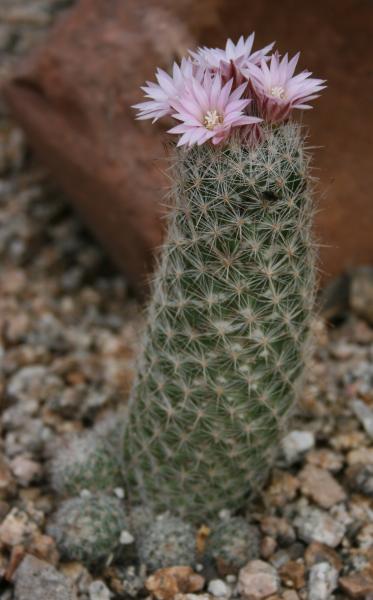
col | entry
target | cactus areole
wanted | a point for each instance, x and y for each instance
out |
(228, 323)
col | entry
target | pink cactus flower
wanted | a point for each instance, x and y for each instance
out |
(209, 92)
(166, 90)
(209, 110)
(234, 57)
(278, 91)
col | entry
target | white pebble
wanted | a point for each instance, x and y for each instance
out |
(126, 538)
(225, 514)
(85, 494)
(323, 581)
(99, 591)
(119, 492)
(218, 588)
(296, 443)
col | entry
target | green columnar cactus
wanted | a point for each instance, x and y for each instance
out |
(227, 327)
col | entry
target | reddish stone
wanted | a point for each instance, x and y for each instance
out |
(167, 583)
(317, 552)
(292, 574)
(321, 486)
(357, 585)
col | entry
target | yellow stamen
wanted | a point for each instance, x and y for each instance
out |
(212, 118)
(278, 92)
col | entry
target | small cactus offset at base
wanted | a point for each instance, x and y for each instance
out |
(88, 528)
(168, 542)
(228, 324)
(140, 519)
(86, 463)
(233, 543)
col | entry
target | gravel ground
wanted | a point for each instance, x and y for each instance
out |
(68, 338)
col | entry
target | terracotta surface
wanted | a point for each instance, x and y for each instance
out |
(73, 98)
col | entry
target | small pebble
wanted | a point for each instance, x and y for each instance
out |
(267, 547)
(219, 589)
(357, 586)
(360, 456)
(323, 580)
(283, 488)
(360, 479)
(292, 574)
(290, 595)
(17, 528)
(296, 444)
(365, 537)
(280, 558)
(99, 591)
(42, 580)
(278, 528)
(317, 552)
(165, 583)
(126, 538)
(7, 483)
(348, 441)
(315, 525)
(364, 414)
(321, 486)
(119, 492)
(25, 470)
(325, 459)
(257, 580)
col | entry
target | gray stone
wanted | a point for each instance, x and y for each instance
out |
(297, 443)
(323, 579)
(31, 438)
(25, 470)
(33, 382)
(133, 581)
(38, 579)
(99, 591)
(219, 589)
(316, 525)
(364, 414)
(360, 478)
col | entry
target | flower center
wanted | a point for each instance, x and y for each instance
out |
(278, 92)
(212, 118)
